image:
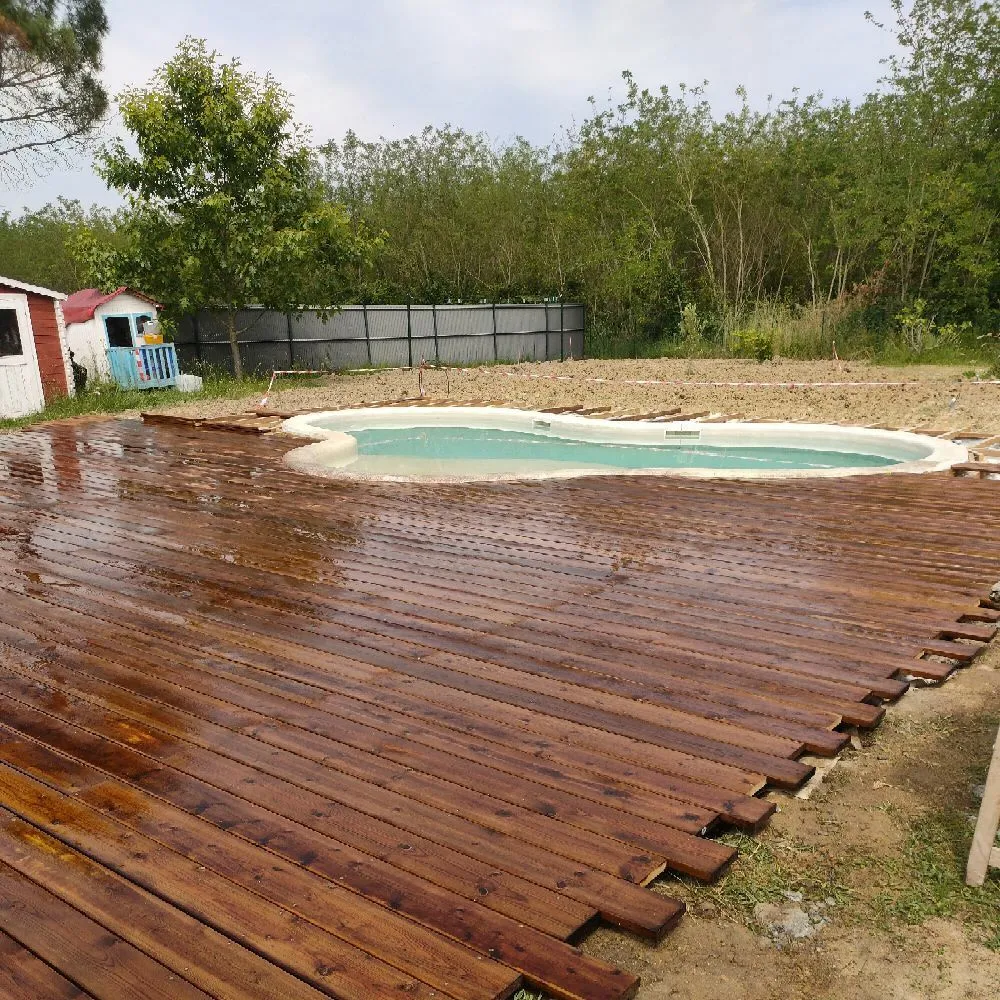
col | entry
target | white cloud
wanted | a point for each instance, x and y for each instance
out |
(506, 67)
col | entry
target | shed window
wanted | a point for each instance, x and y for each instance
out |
(119, 331)
(10, 334)
(140, 323)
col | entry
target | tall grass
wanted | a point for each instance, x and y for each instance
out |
(840, 329)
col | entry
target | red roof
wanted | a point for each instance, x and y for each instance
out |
(80, 306)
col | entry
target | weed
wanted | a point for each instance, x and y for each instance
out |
(691, 330)
(916, 325)
(752, 343)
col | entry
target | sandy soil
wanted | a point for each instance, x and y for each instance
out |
(935, 395)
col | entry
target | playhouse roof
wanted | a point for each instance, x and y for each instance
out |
(81, 306)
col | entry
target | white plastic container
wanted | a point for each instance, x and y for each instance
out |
(189, 383)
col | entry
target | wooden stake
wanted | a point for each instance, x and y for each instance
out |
(984, 854)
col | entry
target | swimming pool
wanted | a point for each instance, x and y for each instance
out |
(474, 443)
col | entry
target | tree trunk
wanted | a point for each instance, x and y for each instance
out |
(234, 346)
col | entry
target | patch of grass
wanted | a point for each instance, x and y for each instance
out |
(881, 889)
(107, 397)
(928, 879)
(895, 354)
(769, 865)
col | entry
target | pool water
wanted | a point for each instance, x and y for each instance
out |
(411, 447)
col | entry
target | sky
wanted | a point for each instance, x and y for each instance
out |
(503, 67)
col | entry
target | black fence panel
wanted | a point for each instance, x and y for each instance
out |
(390, 336)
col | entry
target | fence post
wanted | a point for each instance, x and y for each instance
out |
(496, 350)
(562, 330)
(409, 335)
(434, 321)
(291, 342)
(545, 357)
(368, 339)
(583, 330)
(197, 336)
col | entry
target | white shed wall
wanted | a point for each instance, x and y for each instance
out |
(64, 347)
(88, 344)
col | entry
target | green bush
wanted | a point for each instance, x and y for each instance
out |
(752, 343)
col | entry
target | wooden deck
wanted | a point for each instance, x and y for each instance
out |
(265, 736)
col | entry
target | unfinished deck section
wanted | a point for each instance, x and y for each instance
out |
(263, 735)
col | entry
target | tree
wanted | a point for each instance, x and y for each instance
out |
(34, 246)
(50, 54)
(226, 205)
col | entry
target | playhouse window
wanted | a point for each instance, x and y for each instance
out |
(10, 334)
(119, 329)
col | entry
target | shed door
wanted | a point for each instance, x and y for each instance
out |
(20, 381)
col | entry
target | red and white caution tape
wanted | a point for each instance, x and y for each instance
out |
(684, 382)
(275, 374)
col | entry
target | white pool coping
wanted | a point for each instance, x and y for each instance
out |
(334, 449)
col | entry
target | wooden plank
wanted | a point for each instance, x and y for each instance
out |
(24, 976)
(70, 942)
(115, 879)
(352, 756)
(272, 721)
(175, 939)
(559, 969)
(980, 468)
(983, 851)
(967, 630)
(962, 652)
(374, 725)
(371, 828)
(759, 702)
(170, 419)
(989, 615)
(549, 705)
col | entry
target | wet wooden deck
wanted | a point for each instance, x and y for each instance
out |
(268, 736)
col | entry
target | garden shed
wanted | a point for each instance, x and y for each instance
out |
(34, 355)
(97, 321)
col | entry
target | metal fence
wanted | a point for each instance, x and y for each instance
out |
(389, 336)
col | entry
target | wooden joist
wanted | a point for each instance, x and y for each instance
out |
(978, 469)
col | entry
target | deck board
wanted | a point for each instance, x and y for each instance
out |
(384, 738)
(24, 976)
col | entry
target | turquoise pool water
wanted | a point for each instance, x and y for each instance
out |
(378, 447)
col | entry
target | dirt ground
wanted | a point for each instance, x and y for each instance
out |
(869, 868)
(942, 396)
(876, 855)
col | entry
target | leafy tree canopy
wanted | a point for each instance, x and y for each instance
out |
(225, 205)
